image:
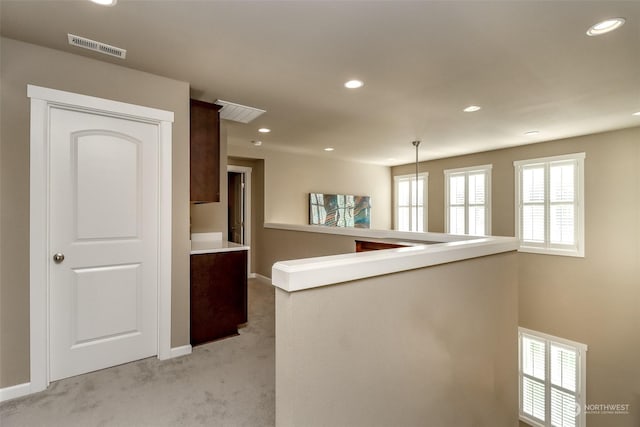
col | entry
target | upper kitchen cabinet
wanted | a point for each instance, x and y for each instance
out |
(205, 152)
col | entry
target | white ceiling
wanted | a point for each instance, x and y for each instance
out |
(529, 64)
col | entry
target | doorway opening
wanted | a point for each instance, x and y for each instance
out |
(239, 207)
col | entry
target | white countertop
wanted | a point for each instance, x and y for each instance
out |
(300, 274)
(209, 243)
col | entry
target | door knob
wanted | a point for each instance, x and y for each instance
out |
(58, 258)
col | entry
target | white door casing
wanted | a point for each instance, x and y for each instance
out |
(246, 222)
(101, 195)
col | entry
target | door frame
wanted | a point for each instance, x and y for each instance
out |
(42, 101)
(246, 171)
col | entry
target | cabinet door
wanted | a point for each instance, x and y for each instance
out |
(205, 152)
(218, 295)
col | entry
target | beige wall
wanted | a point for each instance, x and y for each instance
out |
(594, 300)
(281, 185)
(281, 245)
(270, 245)
(289, 178)
(429, 347)
(23, 64)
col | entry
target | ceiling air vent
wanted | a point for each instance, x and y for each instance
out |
(97, 46)
(237, 112)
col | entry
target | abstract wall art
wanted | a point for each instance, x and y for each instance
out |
(339, 210)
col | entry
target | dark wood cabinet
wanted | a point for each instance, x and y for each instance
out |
(205, 152)
(365, 245)
(218, 295)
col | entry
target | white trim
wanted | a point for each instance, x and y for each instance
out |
(469, 169)
(247, 207)
(91, 103)
(486, 169)
(165, 242)
(425, 199)
(564, 341)
(42, 100)
(262, 278)
(183, 350)
(546, 248)
(15, 391)
(251, 276)
(39, 247)
(560, 158)
(301, 274)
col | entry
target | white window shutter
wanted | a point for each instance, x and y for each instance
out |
(409, 203)
(467, 200)
(550, 205)
(552, 380)
(533, 399)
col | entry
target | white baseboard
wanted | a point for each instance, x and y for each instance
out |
(262, 278)
(15, 391)
(180, 351)
(252, 275)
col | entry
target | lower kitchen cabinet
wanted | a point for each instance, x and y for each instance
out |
(218, 295)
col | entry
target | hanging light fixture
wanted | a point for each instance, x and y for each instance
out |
(416, 144)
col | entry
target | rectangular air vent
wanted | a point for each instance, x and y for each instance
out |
(237, 112)
(97, 46)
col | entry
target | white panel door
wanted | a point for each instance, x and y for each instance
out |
(103, 302)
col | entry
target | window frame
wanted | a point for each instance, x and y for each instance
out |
(425, 205)
(448, 173)
(546, 247)
(581, 376)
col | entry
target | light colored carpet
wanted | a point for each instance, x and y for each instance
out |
(230, 382)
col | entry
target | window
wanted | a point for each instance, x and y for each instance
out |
(408, 197)
(552, 380)
(549, 205)
(468, 200)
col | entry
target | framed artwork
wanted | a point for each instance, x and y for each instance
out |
(339, 210)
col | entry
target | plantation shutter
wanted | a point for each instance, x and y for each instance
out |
(562, 203)
(564, 373)
(550, 205)
(533, 377)
(467, 199)
(409, 206)
(457, 192)
(550, 391)
(404, 204)
(477, 209)
(533, 203)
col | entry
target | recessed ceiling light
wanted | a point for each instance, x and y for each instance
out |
(637, 113)
(605, 26)
(264, 130)
(105, 2)
(472, 108)
(353, 84)
(532, 133)
(329, 149)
